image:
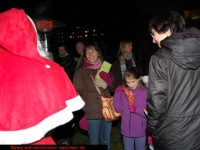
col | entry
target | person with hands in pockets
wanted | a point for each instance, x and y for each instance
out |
(131, 100)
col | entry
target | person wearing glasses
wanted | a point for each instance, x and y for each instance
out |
(174, 82)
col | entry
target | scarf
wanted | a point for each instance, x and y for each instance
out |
(123, 63)
(95, 65)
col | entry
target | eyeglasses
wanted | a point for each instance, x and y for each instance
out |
(152, 35)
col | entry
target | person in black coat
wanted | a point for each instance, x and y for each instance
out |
(174, 82)
(66, 61)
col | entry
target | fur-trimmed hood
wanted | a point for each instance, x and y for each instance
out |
(36, 95)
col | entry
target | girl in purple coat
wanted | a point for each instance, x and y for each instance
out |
(131, 100)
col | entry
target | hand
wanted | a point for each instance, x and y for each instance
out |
(119, 89)
(104, 76)
(132, 107)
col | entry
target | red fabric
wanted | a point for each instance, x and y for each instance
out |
(129, 95)
(29, 92)
(45, 141)
(96, 65)
(32, 87)
(83, 123)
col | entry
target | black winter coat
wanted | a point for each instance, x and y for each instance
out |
(174, 92)
(68, 63)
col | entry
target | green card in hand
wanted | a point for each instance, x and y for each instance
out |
(105, 67)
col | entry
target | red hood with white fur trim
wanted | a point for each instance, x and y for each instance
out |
(18, 35)
(36, 95)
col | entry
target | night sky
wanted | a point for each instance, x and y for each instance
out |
(73, 12)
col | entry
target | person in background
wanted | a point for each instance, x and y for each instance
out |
(174, 97)
(80, 48)
(99, 129)
(78, 114)
(125, 58)
(131, 99)
(36, 95)
(65, 60)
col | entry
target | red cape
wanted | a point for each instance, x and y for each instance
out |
(36, 95)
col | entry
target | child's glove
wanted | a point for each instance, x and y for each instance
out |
(150, 141)
(119, 89)
(132, 107)
(104, 76)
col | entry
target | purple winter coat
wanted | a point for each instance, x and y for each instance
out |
(132, 124)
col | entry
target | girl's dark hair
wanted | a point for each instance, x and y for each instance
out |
(167, 20)
(133, 73)
(96, 47)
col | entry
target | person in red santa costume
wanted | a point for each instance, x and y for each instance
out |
(36, 95)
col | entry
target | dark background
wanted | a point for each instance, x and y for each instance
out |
(118, 20)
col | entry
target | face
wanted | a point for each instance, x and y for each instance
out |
(62, 51)
(128, 48)
(158, 37)
(92, 55)
(132, 83)
(79, 48)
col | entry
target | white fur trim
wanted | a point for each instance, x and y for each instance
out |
(38, 131)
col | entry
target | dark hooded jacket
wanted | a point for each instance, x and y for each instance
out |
(174, 92)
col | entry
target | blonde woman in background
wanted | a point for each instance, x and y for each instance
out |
(125, 58)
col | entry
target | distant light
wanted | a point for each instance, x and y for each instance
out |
(194, 14)
(78, 27)
(186, 14)
(79, 36)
